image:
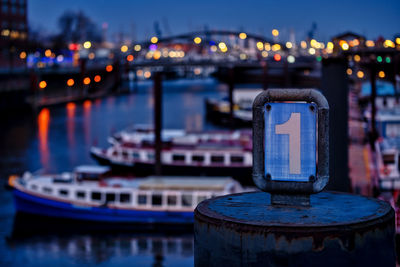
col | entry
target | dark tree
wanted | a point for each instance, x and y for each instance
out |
(75, 26)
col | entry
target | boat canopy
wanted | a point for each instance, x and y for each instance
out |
(92, 169)
(186, 183)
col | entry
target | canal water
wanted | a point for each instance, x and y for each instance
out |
(57, 139)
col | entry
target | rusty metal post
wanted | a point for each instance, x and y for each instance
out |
(157, 94)
(231, 85)
(338, 229)
(334, 85)
(293, 223)
(286, 77)
(373, 135)
(265, 74)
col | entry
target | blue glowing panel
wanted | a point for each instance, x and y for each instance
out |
(290, 141)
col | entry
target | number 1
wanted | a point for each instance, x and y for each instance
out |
(292, 128)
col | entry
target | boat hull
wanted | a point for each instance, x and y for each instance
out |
(241, 174)
(31, 204)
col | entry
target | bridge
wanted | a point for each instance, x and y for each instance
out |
(216, 47)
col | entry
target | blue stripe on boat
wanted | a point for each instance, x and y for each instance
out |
(46, 207)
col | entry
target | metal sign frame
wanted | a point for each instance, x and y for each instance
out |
(283, 190)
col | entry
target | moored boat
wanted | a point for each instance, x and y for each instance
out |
(218, 110)
(219, 153)
(87, 195)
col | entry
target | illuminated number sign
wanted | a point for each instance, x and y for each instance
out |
(290, 141)
(290, 144)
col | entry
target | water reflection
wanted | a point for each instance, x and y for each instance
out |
(194, 122)
(87, 107)
(71, 108)
(43, 131)
(62, 140)
(50, 241)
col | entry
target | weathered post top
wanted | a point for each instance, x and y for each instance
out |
(290, 144)
(279, 227)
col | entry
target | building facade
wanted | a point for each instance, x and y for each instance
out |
(13, 33)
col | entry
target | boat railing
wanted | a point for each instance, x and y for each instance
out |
(203, 156)
(125, 197)
(389, 183)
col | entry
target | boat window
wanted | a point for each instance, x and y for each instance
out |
(136, 155)
(186, 200)
(110, 197)
(156, 199)
(47, 190)
(142, 199)
(125, 198)
(34, 187)
(87, 176)
(388, 159)
(197, 158)
(236, 159)
(178, 157)
(63, 192)
(80, 194)
(171, 200)
(217, 159)
(96, 196)
(150, 156)
(115, 153)
(201, 198)
(125, 154)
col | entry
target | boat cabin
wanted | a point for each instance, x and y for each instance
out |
(91, 172)
(152, 193)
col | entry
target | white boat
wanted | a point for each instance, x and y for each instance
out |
(87, 194)
(216, 153)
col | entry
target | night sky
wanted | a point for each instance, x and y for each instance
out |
(371, 18)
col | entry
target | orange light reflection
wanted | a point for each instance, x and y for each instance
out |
(43, 121)
(86, 121)
(87, 104)
(71, 123)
